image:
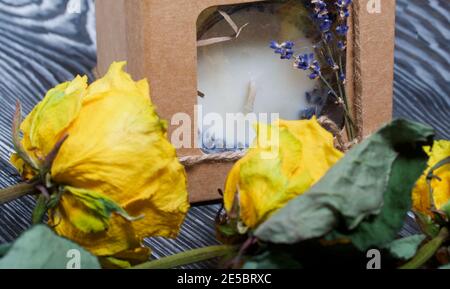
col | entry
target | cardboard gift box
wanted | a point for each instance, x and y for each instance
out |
(158, 39)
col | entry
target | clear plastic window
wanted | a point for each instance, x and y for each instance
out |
(240, 78)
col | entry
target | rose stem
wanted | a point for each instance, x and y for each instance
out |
(427, 251)
(16, 191)
(188, 257)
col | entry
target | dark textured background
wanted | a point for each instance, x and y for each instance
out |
(41, 44)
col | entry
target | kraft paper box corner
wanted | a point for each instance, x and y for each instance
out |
(158, 39)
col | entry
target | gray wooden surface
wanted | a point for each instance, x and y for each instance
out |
(41, 44)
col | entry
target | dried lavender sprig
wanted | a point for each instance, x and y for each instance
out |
(285, 49)
(330, 38)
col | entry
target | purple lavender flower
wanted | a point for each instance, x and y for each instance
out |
(331, 24)
(333, 29)
(328, 36)
(331, 63)
(342, 77)
(342, 29)
(314, 75)
(343, 8)
(308, 113)
(307, 61)
(325, 25)
(344, 13)
(321, 16)
(320, 7)
(304, 61)
(285, 49)
(343, 3)
(316, 100)
(341, 45)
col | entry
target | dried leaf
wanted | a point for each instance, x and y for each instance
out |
(354, 191)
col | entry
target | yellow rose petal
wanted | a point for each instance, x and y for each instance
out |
(116, 160)
(287, 158)
(424, 200)
(119, 237)
(22, 167)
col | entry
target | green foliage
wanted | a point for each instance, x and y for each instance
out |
(40, 248)
(98, 209)
(39, 210)
(427, 225)
(360, 203)
(383, 228)
(272, 260)
(405, 248)
(364, 197)
(4, 248)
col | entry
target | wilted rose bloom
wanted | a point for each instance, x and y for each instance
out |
(426, 198)
(277, 169)
(116, 162)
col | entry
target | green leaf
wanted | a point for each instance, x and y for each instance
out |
(372, 183)
(16, 138)
(227, 230)
(397, 201)
(405, 248)
(39, 210)
(114, 263)
(97, 210)
(427, 251)
(4, 248)
(272, 260)
(446, 209)
(427, 224)
(40, 248)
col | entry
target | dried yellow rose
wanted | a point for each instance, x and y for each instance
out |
(288, 157)
(425, 200)
(115, 163)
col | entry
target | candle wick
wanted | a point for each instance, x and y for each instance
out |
(251, 97)
(201, 94)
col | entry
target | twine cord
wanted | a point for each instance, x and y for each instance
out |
(226, 157)
(233, 156)
(357, 70)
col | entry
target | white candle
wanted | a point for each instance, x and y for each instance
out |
(227, 70)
